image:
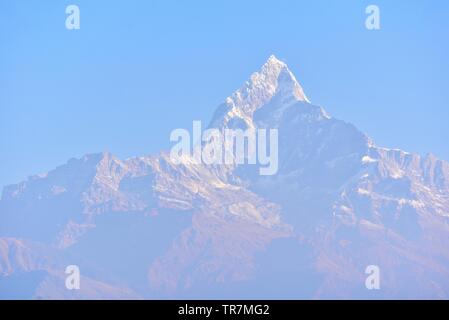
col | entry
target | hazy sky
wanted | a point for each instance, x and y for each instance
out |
(138, 69)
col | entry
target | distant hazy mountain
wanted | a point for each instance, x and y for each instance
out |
(149, 228)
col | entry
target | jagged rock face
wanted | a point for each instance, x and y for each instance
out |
(337, 204)
(273, 82)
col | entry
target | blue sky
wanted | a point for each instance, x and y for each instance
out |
(138, 69)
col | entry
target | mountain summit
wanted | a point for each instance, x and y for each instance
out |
(147, 227)
(273, 81)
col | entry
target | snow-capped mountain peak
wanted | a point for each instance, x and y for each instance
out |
(284, 80)
(273, 80)
(337, 204)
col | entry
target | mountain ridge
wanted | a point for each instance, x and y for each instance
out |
(337, 204)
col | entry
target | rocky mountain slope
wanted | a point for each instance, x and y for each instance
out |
(147, 227)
